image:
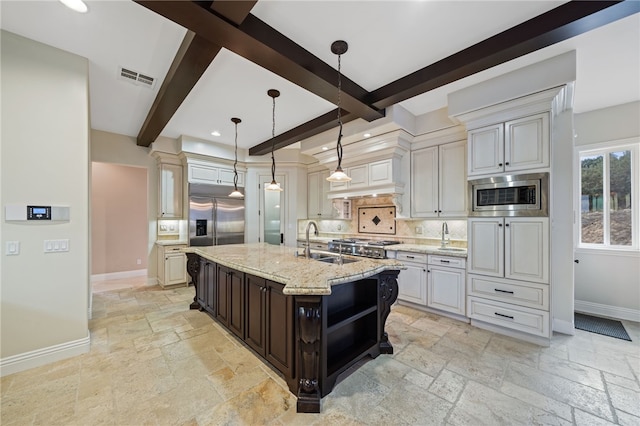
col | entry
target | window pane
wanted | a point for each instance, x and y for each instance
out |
(592, 200)
(620, 198)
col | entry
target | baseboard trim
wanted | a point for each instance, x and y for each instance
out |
(25, 361)
(119, 275)
(607, 310)
(564, 327)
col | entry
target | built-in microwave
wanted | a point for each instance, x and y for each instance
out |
(511, 195)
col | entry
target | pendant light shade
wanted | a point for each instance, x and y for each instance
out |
(273, 186)
(338, 48)
(235, 193)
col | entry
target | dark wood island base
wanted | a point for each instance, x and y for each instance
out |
(310, 339)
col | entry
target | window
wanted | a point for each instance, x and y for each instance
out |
(609, 197)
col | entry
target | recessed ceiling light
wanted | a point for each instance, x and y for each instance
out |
(367, 135)
(77, 5)
(324, 148)
(215, 133)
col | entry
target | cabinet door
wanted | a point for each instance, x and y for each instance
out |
(380, 172)
(256, 313)
(485, 254)
(175, 268)
(452, 189)
(412, 284)
(279, 325)
(209, 286)
(313, 196)
(527, 249)
(486, 150)
(225, 177)
(170, 191)
(526, 143)
(203, 174)
(446, 289)
(326, 205)
(424, 182)
(222, 295)
(236, 303)
(359, 176)
(201, 291)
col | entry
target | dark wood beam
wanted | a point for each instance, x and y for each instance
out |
(191, 61)
(310, 128)
(559, 24)
(280, 56)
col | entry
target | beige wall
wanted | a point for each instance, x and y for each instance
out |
(44, 160)
(122, 150)
(119, 224)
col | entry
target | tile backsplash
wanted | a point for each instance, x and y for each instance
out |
(411, 231)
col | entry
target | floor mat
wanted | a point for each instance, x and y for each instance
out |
(604, 326)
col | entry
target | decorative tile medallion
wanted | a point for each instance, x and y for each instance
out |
(377, 220)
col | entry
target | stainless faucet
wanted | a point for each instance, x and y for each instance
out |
(307, 249)
(445, 232)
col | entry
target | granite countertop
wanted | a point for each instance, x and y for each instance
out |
(171, 242)
(301, 276)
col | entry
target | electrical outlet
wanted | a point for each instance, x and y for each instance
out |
(138, 261)
(419, 230)
(339, 227)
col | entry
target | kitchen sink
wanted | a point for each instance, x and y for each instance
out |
(451, 249)
(335, 259)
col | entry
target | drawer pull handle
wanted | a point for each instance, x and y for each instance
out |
(503, 291)
(411, 257)
(445, 261)
(503, 315)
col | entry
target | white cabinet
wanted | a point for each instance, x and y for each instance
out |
(172, 265)
(170, 191)
(446, 284)
(412, 282)
(508, 266)
(514, 248)
(439, 181)
(318, 205)
(514, 145)
(213, 174)
(367, 175)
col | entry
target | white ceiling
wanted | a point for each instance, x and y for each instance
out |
(387, 40)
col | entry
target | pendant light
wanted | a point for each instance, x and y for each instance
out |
(338, 48)
(235, 193)
(273, 186)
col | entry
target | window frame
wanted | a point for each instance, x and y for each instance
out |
(604, 149)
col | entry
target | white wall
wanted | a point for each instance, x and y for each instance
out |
(119, 149)
(45, 160)
(608, 282)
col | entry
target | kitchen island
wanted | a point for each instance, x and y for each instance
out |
(310, 319)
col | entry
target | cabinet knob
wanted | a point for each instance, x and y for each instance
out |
(506, 224)
(435, 211)
(506, 164)
(577, 261)
(499, 164)
(499, 225)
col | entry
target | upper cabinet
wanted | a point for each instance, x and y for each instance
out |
(514, 145)
(438, 176)
(318, 204)
(213, 174)
(170, 191)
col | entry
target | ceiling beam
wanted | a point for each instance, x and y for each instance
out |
(269, 49)
(559, 24)
(306, 130)
(191, 61)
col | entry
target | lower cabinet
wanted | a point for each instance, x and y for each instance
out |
(269, 323)
(206, 285)
(446, 284)
(412, 282)
(172, 265)
(230, 300)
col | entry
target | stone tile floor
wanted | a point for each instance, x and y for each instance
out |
(155, 362)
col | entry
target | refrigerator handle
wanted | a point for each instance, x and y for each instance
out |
(215, 222)
(281, 238)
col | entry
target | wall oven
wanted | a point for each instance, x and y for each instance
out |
(511, 195)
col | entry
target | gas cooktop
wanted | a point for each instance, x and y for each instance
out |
(361, 247)
(365, 241)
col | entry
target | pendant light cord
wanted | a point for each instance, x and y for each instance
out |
(235, 163)
(339, 144)
(273, 141)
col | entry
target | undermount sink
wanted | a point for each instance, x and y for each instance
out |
(335, 259)
(451, 249)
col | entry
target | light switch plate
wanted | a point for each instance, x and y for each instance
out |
(13, 248)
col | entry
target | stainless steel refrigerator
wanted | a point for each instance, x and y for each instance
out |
(214, 218)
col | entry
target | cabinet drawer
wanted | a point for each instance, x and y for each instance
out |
(412, 257)
(451, 262)
(531, 295)
(174, 248)
(523, 319)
